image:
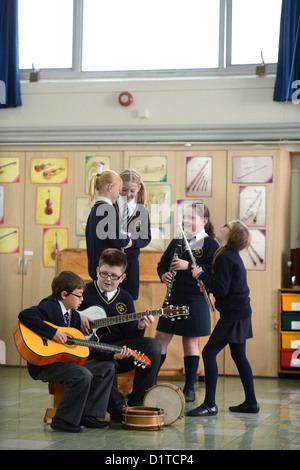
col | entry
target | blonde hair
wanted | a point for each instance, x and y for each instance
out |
(238, 239)
(99, 182)
(134, 177)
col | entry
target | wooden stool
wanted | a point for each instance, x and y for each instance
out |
(56, 390)
(125, 382)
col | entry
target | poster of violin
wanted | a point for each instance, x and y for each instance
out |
(49, 170)
(54, 240)
(48, 205)
(9, 169)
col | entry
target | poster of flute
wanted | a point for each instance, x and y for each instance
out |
(198, 176)
(9, 240)
(48, 205)
(252, 169)
(9, 169)
(49, 170)
(252, 205)
(54, 240)
(254, 257)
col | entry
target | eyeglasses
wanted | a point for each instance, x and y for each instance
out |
(76, 295)
(114, 277)
(227, 226)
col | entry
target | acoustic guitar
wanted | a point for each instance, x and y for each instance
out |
(103, 325)
(41, 351)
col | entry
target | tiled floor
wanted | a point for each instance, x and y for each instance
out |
(277, 427)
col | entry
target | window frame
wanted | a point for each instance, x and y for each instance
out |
(225, 67)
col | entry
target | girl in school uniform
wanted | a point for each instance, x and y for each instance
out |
(185, 290)
(134, 219)
(103, 229)
(228, 283)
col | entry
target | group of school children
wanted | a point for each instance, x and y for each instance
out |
(117, 228)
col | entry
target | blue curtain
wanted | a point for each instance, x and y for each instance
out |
(288, 68)
(9, 53)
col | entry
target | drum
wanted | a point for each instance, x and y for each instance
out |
(142, 418)
(168, 397)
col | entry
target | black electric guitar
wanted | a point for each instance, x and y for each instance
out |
(103, 325)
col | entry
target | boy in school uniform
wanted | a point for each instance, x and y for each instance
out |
(105, 291)
(91, 389)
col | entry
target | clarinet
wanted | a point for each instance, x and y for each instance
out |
(206, 296)
(170, 285)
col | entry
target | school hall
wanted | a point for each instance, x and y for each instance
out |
(209, 117)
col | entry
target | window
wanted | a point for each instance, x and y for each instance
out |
(255, 30)
(82, 38)
(150, 35)
(45, 33)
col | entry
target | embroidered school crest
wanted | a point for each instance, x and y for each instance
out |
(198, 253)
(137, 226)
(121, 308)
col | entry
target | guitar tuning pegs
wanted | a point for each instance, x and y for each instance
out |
(135, 363)
(143, 366)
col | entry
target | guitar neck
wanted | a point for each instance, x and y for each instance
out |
(94, 345)
(107, 321)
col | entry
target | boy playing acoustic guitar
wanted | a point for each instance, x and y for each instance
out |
(91, 389)
(105, 291)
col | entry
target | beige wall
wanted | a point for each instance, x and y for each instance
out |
(193, 101)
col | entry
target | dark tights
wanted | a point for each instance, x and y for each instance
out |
(238, 354)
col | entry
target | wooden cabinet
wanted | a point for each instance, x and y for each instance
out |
(289, 331)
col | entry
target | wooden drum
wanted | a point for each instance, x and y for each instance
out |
(143, 418)
(168, 397)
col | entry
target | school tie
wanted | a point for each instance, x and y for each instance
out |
(125, 215)
(66, 318)
(105, 296)
(191, 240)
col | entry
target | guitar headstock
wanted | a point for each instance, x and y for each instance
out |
(140, 359)
(176, 312)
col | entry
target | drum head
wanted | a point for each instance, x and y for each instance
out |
(168, 397)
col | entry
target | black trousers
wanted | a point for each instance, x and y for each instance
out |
(90, 389)
(144, 378)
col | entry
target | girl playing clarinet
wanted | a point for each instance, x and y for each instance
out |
(185, 291)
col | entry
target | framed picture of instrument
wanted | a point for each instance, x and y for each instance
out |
(252, 205)
(95, 164)
(9, 169)
(198, 177)
(159, 197)
(83, 208)
(252, 170)
(9, 240)
(49, 170)
(48, 205)
(150, 167)
(254, 257)
(54, 240)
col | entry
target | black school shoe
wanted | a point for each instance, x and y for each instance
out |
(243, 408)
(60, 425)
(203, 410)
(92, 422)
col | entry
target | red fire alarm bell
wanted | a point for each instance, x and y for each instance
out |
(125, 98)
